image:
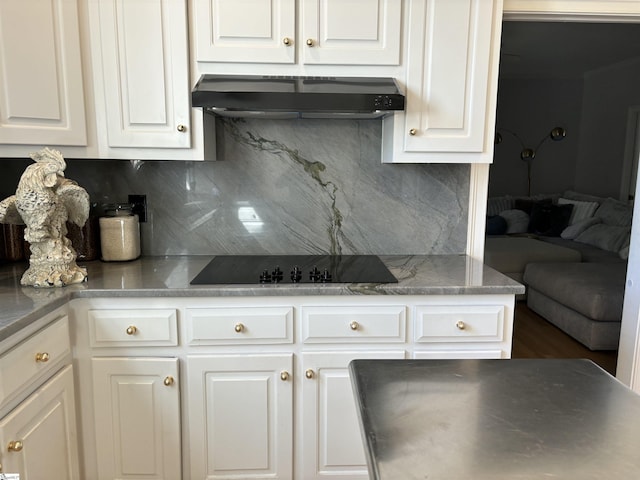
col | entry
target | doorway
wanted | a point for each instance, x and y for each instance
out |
(628, 368)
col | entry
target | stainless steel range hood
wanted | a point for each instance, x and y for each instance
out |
(297, 97)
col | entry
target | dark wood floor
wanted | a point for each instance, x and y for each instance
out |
(534, 337)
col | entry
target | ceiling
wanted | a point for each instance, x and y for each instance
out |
(565, 49)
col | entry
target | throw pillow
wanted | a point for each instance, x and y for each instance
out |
(526, 204)
(572, 231)
(606, 237)
(549, 219)
(614, 212)
(517, 221)
(581, 210)
(496, 225)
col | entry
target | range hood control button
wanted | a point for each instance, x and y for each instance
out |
(265, 277)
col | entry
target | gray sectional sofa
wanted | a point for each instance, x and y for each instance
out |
(574, 265)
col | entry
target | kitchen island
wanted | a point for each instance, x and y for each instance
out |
(487, 420)
(227, 379)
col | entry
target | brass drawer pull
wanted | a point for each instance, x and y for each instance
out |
(310, 42)
(460, 325)
(287, 41)
(239, 328)
(284, 375)
(42, 357)
(413, 131)
(168, 381)
(132, 330)
(354, 325)
(309, 373)
(15, 446)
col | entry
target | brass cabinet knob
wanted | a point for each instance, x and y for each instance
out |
(168, 381)
(413, 131)
(460, 325)
(239, 328)
(287, 41)
(15, 446)
(42, 357)
(182, 128)
(284, 376)
(132, 330)
(309, 373)
(310, 42)
(354, 325)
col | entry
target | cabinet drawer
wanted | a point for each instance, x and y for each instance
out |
(353, 324)
(459, 323)
(133, 327)
(33, 358)
(239, 325)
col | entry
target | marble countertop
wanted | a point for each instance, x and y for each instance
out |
(170, 276)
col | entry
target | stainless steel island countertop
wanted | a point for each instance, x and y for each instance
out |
(496, 419)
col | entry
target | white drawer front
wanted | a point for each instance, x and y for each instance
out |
(354, 324)
(34, 357)
(457, 354)
(239, 325)
(133, 327)
(458, 323)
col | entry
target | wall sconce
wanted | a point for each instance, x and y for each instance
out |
(527, 154)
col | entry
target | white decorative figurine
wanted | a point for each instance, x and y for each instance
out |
(44, 201)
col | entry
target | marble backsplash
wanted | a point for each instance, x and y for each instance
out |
(284, 187)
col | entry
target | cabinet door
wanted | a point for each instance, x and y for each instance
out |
(145, 69)
(41, 86)
(357, 32)
(40, 435)
(331, 440)
(240, 416)
(137, 418)
(451, 85)
(253, 31)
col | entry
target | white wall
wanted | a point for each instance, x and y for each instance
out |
(531, 108)
(608, 94)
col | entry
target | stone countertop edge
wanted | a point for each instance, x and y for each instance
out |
(169, 276)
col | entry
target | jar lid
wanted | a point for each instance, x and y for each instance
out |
(118, 209)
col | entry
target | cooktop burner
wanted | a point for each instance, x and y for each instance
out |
(252, 269)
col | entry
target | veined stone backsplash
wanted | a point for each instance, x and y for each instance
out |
(284, 187)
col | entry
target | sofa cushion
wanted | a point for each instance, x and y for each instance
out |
(512, 254)
(581, 210)
(607, 237)
(596, 290)
(549, 219)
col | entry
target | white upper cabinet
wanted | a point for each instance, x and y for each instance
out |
(254, 31)
(451, 84)
(357, 32)
(329, 32)
(143, 45)
(41, 84)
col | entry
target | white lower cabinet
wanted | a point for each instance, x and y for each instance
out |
(240, 413)
(137, 418)
(331, 439)
(265, 390)
(39, 436)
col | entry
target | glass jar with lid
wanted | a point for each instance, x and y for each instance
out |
(119, 233)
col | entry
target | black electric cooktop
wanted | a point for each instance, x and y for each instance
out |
(268, 269)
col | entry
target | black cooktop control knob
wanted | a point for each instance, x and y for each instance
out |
(277, 275)
(265, 277)
(296, 274)
(314, 275)
(325, 277)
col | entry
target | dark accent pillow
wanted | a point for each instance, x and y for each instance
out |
(526, 205)
(549, 219)
(496, 225)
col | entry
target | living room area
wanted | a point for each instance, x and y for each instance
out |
(561, 185)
